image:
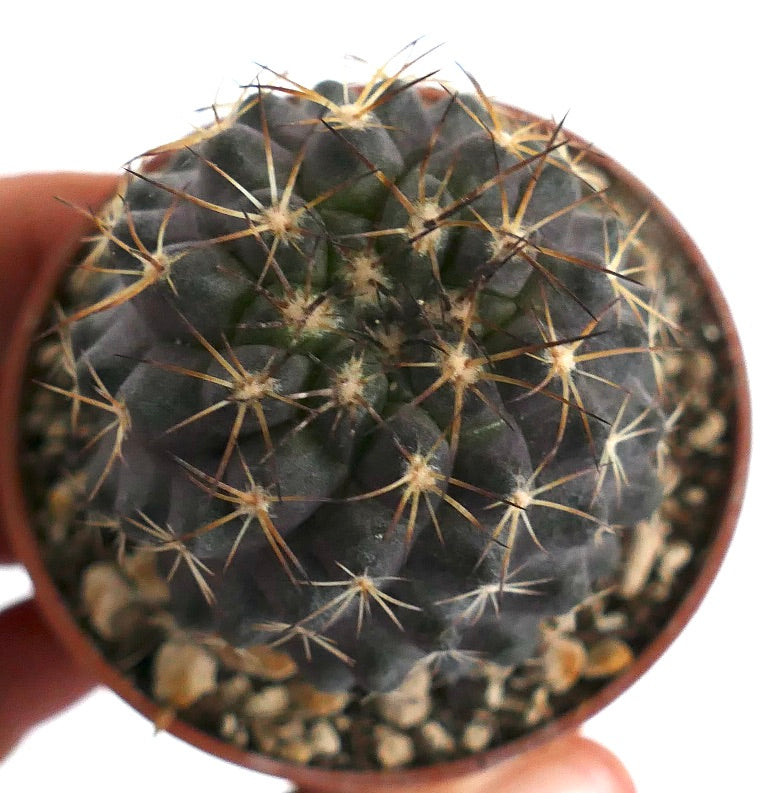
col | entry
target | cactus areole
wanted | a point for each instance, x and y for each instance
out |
(380, 379)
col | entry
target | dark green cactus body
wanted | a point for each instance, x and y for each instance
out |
(384, 382)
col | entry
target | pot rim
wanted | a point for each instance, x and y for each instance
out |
(15, 517)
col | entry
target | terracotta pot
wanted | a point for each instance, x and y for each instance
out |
(15, 516)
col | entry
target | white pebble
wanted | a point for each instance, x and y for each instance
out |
(476, 736)
(268, 703)
(393, 748)
(437, 737)
(648, 541)
(104, 593)
(709, 433)
(676, 556)
(563, 662)
(324, 739)
(410, 704)
(182, 673)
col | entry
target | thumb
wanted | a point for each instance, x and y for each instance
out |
(37, 676)
(568, 764)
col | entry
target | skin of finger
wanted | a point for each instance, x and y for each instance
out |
(568, 764)
(572, 764)
(37, 676)
(5, 551)
(37, 227)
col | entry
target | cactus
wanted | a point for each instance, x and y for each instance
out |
(374, 371)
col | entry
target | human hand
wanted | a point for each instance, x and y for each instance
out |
(38, 677)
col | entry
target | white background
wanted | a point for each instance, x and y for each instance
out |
(675, 91)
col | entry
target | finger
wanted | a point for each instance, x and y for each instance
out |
(36, 227)
(37, 676)
(6, 557)
(569, 764)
